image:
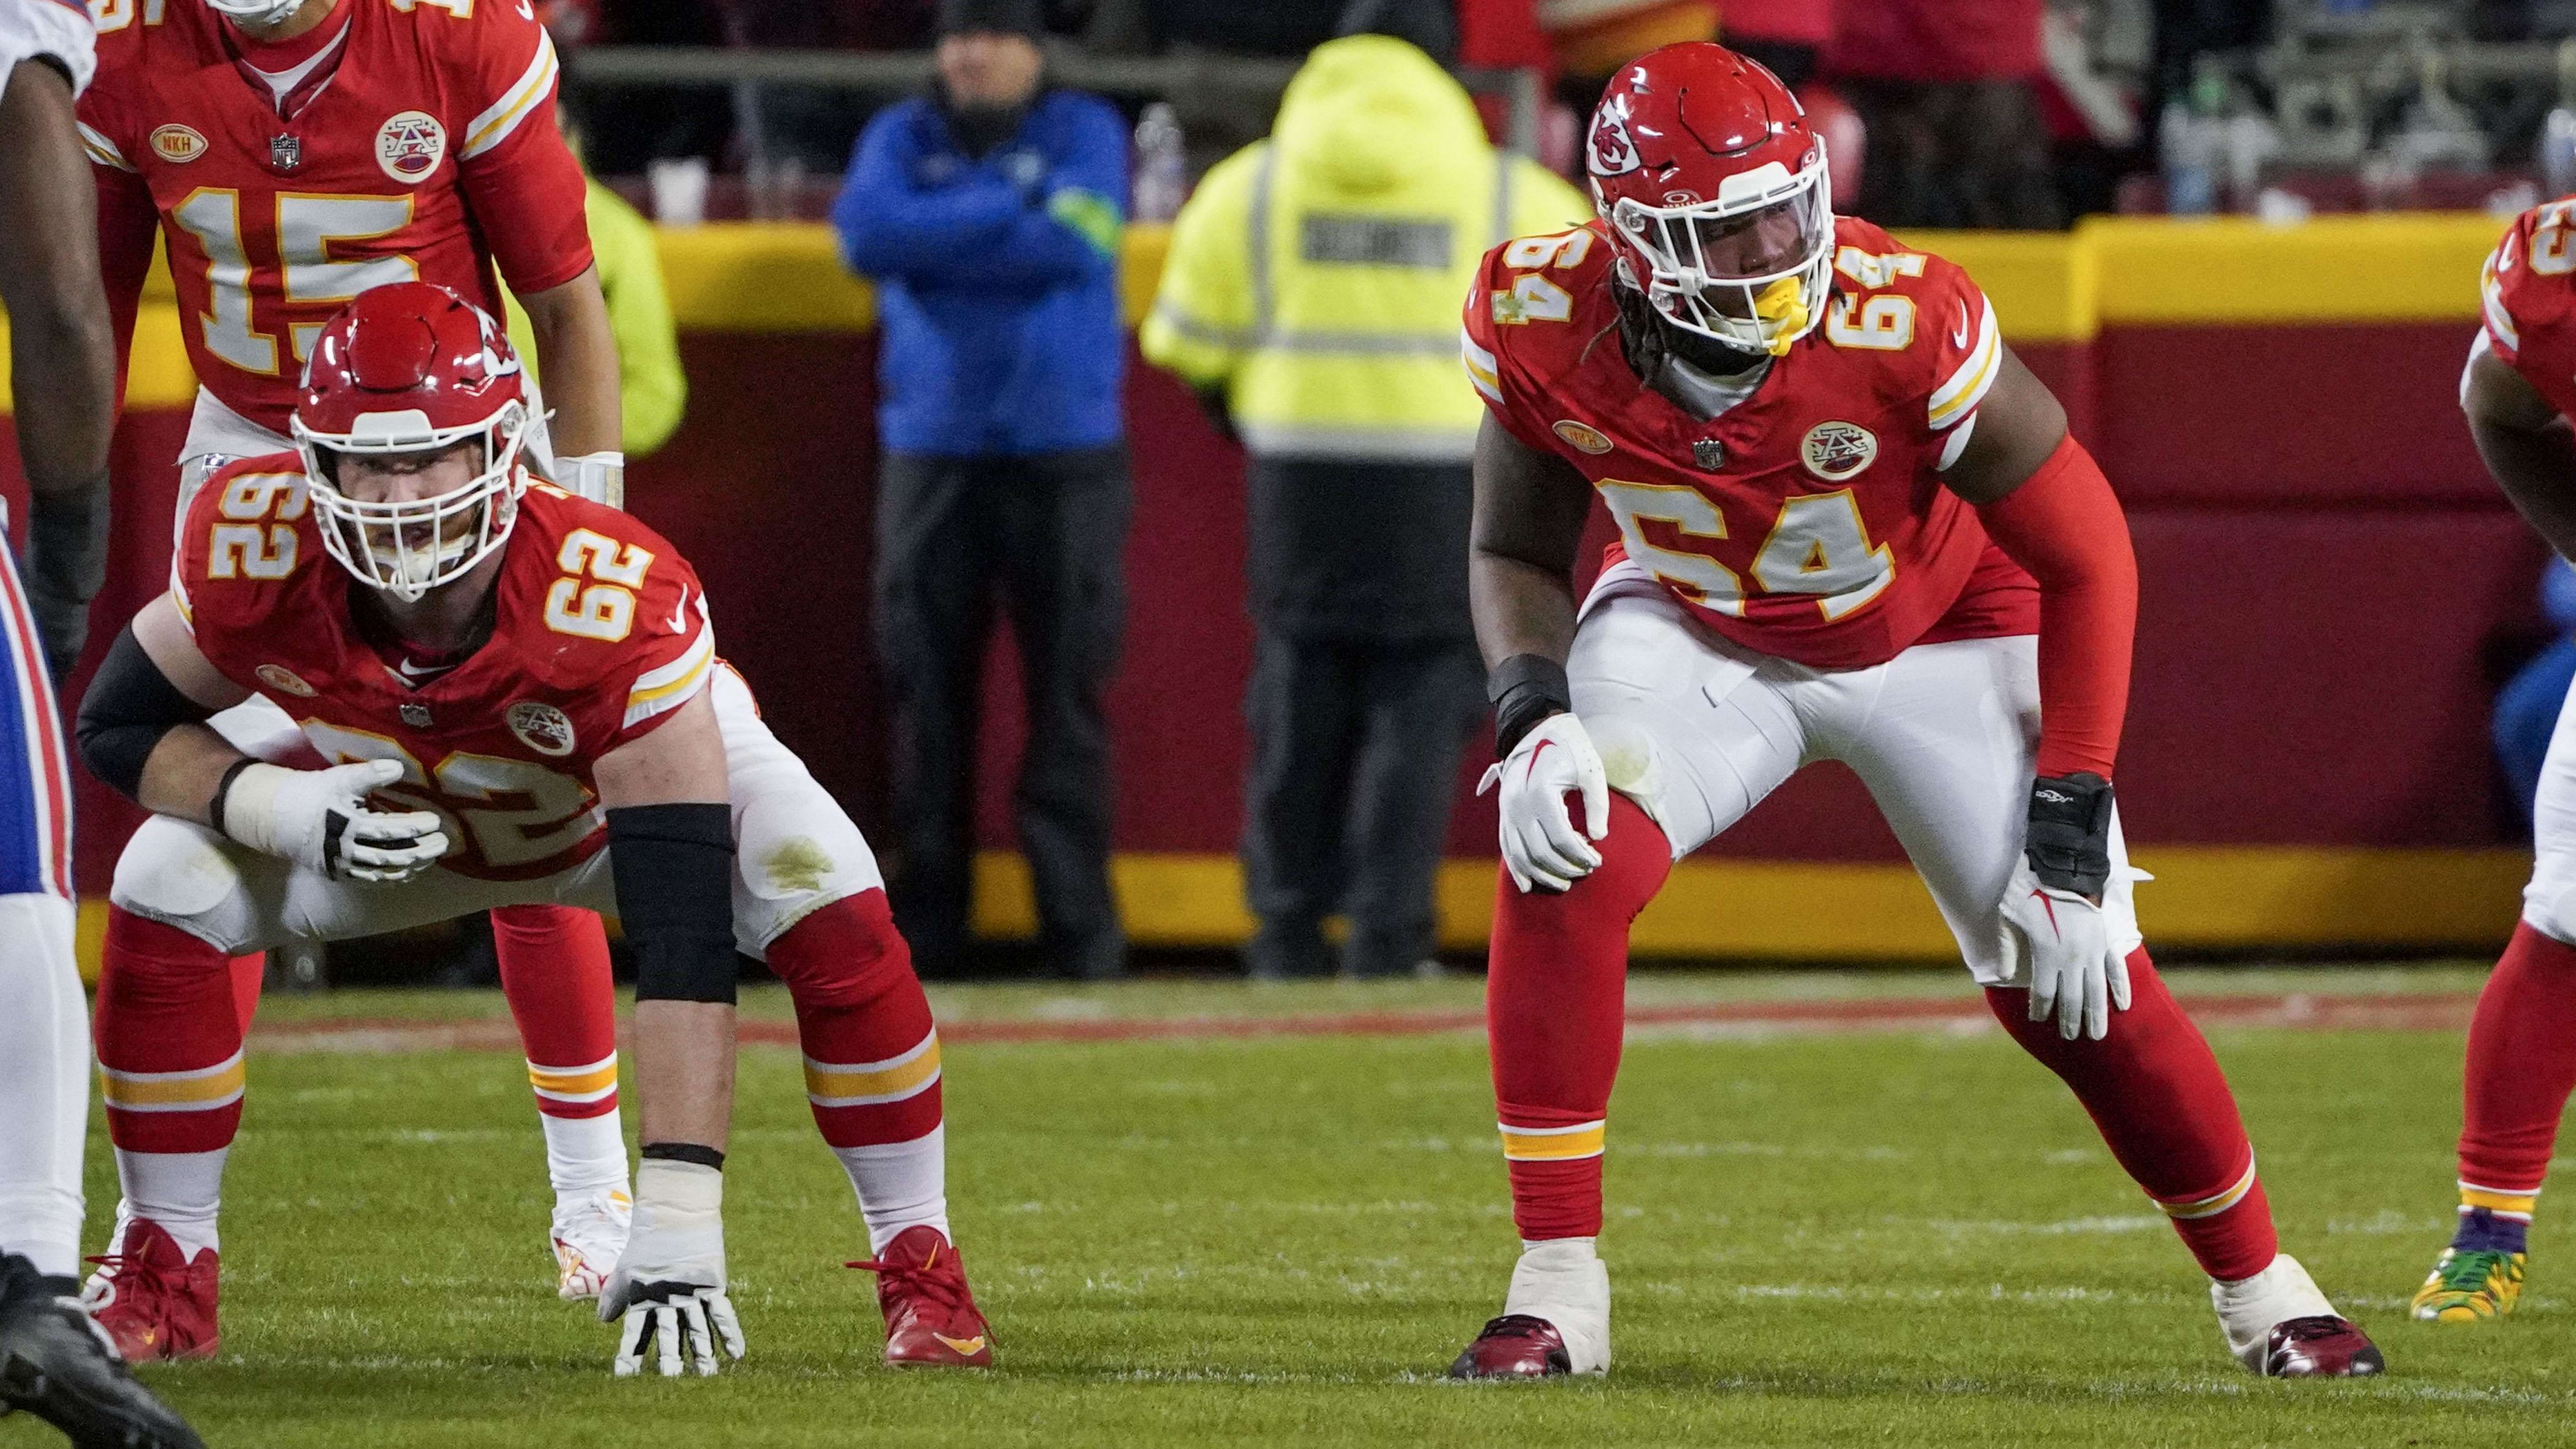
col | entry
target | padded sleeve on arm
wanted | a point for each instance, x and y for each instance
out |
(130, 705)
(2064, 525)
(674, 872)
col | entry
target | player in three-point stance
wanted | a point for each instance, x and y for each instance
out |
(587, 749)
(2519, 389)
(54, 1361)
(1845, 511)
(291, 154)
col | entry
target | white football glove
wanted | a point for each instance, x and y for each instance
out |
(1541, 847)
(669, 1284)
(2076, 973)
(599, 477)
(319, 819)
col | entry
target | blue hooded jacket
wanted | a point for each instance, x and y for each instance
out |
(997, 277)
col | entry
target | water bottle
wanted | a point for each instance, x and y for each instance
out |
(2191, 183)
(2558, 152)
(1162, 172)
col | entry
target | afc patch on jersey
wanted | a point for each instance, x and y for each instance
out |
(1835, 451)
(541, 727)
(409, 145)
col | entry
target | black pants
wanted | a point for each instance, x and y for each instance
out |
(1044, 537)
(1354, 762)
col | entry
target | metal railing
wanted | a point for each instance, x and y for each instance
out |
(896, 73)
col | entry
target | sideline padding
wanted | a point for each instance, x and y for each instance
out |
(2204, 896)
(786, 277)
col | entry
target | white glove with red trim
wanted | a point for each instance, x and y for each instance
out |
(2076, 974)
(1541, 847)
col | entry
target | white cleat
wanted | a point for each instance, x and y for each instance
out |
(589, 1233)
(2279, 1324)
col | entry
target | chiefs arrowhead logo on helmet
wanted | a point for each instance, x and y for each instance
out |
(1614, 151)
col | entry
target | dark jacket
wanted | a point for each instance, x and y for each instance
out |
(997, 277)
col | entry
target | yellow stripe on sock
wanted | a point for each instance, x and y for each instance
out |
(2217, 1202)
(1554, 1144)
(574, 1081)
(2519, 1203)
(193, 1091)
(831, 1084)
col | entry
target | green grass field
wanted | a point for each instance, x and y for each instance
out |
(1901, 1236)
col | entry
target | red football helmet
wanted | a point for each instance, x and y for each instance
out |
(411, 368)
(1715, 188)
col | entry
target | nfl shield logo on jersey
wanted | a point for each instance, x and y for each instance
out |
(285, 153)
(1708, 455)
(409, 145)
(415, 715)
(1835, 451)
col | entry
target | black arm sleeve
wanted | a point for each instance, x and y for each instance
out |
(674, 870)
(131, 704)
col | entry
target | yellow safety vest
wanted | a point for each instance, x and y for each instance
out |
(1317, 276)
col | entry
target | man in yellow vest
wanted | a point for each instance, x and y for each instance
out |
(1311, 299)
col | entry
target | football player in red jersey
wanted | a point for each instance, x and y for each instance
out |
(1845, 510)
(2518, 391)
(585, 747)
(292, 154)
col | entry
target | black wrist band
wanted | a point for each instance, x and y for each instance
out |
(697, 1152)
(2069, 839)
(224, 787)
(1524, 690)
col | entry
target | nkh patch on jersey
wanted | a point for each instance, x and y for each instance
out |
(1808, 520)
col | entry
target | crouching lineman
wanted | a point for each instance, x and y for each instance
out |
(585, 747)
(1808, 435)
(2518, 390)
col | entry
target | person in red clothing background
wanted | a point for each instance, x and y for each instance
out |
(1946, 90)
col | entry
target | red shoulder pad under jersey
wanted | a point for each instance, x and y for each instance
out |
(249, 569)
(2527, 296)
(520, 177)
(602, 609)
(1530, 299)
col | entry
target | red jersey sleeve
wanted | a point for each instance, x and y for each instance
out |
(1965, 347)
(616, 623)
(1510, 294)
(2527, 305)
(520, 179)
(128, 221)
(247, 540)
(673, 653)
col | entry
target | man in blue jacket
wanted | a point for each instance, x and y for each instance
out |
(988, 214)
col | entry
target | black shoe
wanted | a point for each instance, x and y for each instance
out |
(58, 1365)
(1287, 952)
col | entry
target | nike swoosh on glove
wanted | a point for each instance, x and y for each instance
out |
(669, 1284)
(319, 819)
(2075, 973)
(1541, 847)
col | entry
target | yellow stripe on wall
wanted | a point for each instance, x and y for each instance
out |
(2207, 897)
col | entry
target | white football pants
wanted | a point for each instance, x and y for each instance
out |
(44, 1053)
(2549, 901)
(1697, 730)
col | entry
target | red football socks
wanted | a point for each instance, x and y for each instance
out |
(1555, 998)
(2521, 1067)
(169, 1039)
(2161, 1103)
(555, 972)
(871, 1053)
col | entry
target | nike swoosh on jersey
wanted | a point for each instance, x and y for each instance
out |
(680, 612)
(1959, 334)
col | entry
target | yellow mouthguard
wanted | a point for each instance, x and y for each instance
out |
(1783, 305)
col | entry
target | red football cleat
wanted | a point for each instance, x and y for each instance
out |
(930, 1313)
(152, 1298)
(1514, 1346)
(2323, 1347)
